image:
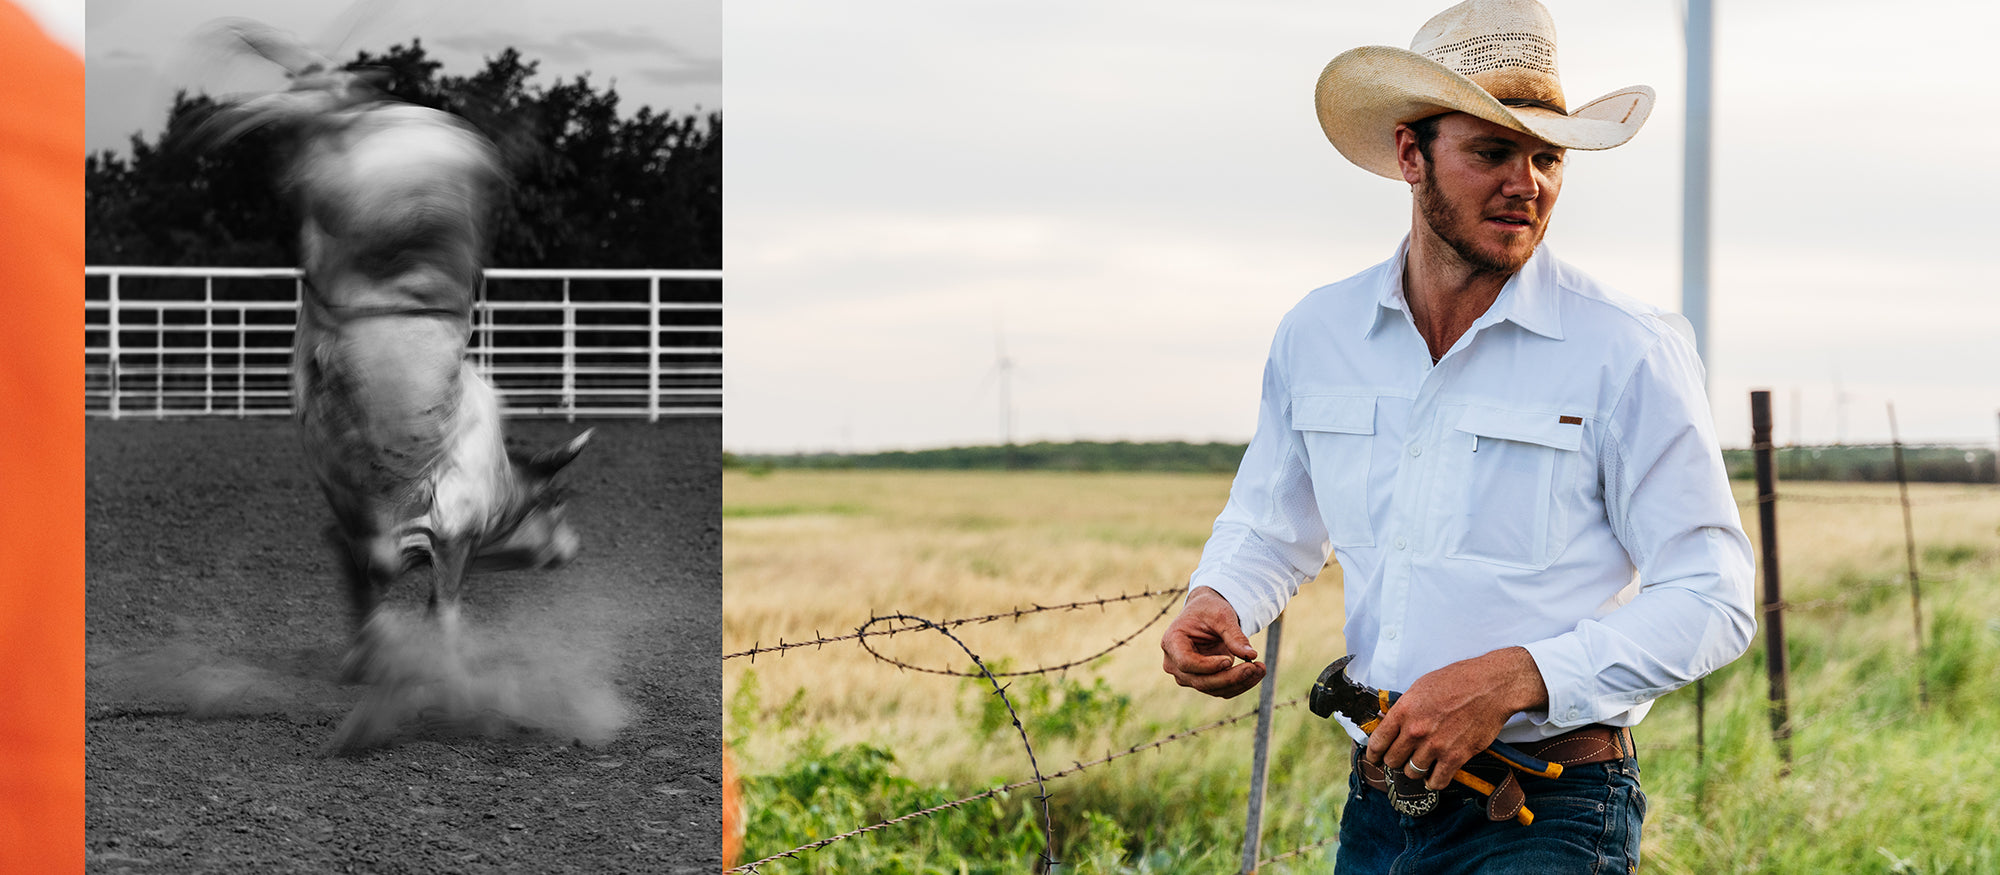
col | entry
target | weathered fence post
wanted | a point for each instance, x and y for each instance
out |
(1774, 602)
(1700, 720)
(1910, 550)
(1260, 760)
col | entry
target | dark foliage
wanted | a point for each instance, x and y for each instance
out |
(590, 189)
(1077, 456)
(1870, 464)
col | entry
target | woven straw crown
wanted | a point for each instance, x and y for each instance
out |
(1493, 59)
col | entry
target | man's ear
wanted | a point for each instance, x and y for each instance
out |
(1408, 156)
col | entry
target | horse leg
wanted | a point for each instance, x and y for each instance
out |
(368, 569)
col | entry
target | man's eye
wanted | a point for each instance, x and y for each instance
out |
(1490, 154)
(1548, 160)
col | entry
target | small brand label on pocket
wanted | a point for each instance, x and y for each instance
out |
(1570, 420)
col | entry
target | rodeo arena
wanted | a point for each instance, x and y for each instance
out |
(396, 562)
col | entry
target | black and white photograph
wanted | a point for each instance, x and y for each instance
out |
(403, 351)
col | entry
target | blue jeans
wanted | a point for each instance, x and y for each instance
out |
(1586, 821)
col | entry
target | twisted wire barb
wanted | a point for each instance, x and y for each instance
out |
(1302, 849)
(1014, 614)
(1040, 669)
(1048, 821)
(1073, 769)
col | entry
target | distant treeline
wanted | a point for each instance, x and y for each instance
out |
(1847, 463)
(1044, 456)
(591, 189)
(1869, 464)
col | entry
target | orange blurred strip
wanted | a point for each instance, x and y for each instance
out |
(41, 450)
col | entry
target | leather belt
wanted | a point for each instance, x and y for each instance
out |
(1595, 743)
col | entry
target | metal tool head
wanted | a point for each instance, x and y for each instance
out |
(1335, 691)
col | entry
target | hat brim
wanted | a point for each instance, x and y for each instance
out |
(1366, 92)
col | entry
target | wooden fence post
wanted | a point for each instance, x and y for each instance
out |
(1260, 760)
(1910, 550)
(1774, 602)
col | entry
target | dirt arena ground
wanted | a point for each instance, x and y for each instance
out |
(215, 629)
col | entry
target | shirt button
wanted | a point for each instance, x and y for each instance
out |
(1416, 451)
(1390, 634)
(1399, 543)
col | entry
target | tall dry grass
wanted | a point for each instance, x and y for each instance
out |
(818, 553)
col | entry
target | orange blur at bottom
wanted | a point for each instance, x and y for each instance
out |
(731, 842)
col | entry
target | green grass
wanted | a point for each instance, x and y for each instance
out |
(1876, 781)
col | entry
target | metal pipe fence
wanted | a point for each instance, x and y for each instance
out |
(173, 342)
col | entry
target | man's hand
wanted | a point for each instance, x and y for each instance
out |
(1449, 715)
(1203, 644)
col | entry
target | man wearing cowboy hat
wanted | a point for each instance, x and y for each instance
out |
(1515, 467)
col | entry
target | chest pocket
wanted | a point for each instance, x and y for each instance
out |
(1513, 465)
(1339, 435)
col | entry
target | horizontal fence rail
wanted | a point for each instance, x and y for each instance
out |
(172, 342)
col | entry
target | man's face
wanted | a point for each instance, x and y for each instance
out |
(1486, 191)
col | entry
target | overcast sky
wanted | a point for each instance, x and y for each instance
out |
(666, 54)
(1133, 192)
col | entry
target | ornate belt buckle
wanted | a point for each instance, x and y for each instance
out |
(1411, 797)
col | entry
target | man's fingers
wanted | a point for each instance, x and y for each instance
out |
(1441, 772)
(1201, 647)
(1225, 684)
(1188, 661)
(1239, 645)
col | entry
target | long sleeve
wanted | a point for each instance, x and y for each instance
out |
(1270, 537)
(1668, 501)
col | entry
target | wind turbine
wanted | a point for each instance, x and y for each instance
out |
(1005, 367)
(1003, 370)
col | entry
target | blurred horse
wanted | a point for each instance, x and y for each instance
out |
(403, 435)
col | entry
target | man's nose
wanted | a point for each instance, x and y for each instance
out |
(1523, 179)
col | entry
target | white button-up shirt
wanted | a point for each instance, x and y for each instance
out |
(1504, 496)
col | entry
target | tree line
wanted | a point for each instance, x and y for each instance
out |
(1932, 464)
(590, 189)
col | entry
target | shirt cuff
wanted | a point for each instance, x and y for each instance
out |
(1244, 599)
(1567, 673)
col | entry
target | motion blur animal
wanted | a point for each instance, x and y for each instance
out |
(403, 434)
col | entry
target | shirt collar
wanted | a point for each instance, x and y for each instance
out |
(1528, 299)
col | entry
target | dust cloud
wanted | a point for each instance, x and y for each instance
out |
(548, 671)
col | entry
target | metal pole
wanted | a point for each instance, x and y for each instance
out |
(208, 345)
(1774, 602)
(1260, 760)
(569, 355)
(653, 353)
(1910, 550)
(1700, 35)
(1695, 177)
(114, 311)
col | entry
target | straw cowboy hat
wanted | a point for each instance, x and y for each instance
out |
(1494, 59)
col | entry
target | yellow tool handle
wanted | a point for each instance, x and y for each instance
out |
(1525, 816)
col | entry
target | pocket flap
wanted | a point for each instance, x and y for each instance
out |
(1547, 429)
(1347, 414)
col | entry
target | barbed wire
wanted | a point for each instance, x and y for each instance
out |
(1074, 768)
(1845, 600)
(1300, 850)
(1040, 669)
(1014, 614)
(1048, 822)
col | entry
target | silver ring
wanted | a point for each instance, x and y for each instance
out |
(1418, 767)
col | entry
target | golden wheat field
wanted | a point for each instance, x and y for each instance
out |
(816, 554)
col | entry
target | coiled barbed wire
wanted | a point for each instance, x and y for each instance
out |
(1015, 614)
(1074, 768)
(1048, 855)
